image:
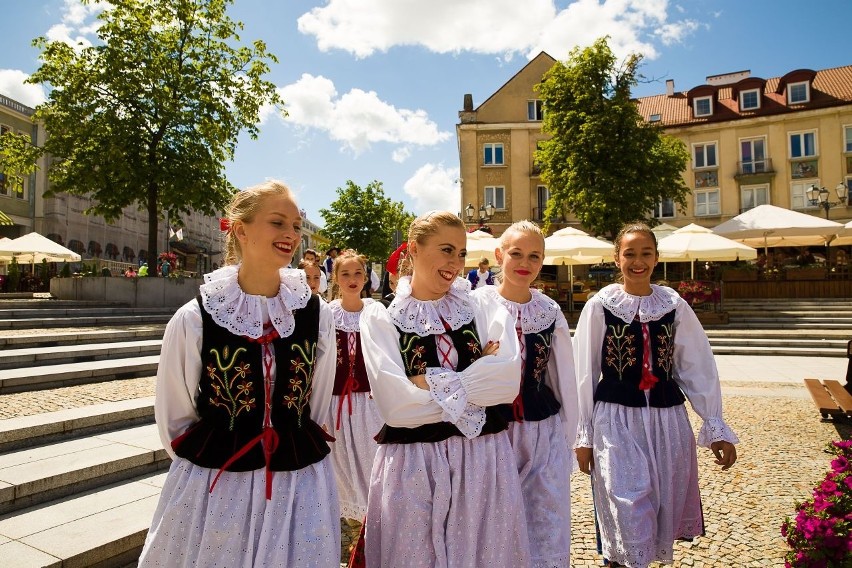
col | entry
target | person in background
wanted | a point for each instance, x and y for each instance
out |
(165, 267)
(143, 270)
(392, 273)
(313, 275)
(312, 256)
(372, 284)
(543, 417)
(640, 354)
(481, 276)
(444, 489)
(242, 406)
(330, 255)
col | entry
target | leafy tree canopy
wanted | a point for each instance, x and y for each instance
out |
(603, 162)
(18, 158)
(150, 114)
(365, 220)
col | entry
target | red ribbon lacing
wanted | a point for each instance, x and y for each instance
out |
(518, 403)
(648, 378)
(268, 437)
(351, 382)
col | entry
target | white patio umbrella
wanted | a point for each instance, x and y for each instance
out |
(844, 236)
(770, 226)
(695, 242)
(570, 246)
(481, 245)
(660, 231)
(32, 248)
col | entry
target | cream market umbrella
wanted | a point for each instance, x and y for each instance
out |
(769, 226)
(695, 242)
(844, 236)
(663, 230)
(481, 245)
(572, 246)
(32, 248)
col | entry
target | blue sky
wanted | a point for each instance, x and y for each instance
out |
(373, 87)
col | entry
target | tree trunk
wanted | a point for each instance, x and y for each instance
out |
(153, 222)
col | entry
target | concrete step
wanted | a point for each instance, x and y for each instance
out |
(774, 342)
(30, 476)
(92, 311)
(84, 321)
(53, 355)
(33, 303)
(51, 427)
(787, 351)
(103, 527)
(79, 336)
(52, 376)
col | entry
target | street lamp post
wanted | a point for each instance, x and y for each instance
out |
(486, 212)
(819, 196)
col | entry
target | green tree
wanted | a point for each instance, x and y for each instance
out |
(365, 220)
(151, 113)
(18, 158)
(603, 162)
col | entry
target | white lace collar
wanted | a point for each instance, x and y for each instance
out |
(347, 321)
(650, 308)
(536, 315)
(243, 314)
(424, 317)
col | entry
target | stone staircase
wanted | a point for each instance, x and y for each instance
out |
(81, 465)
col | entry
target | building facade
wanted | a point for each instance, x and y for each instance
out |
(751, 141)
(18, 201)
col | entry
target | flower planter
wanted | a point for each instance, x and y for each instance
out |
(810, 273)
(738, 275)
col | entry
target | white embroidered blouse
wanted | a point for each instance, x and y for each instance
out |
(179, 370)
(694, 366)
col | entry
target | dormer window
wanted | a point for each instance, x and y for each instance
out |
(655, 118)
(750, 99)
(535, 110)
(798, 93)
(702, 106)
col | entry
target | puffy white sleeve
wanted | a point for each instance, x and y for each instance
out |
(323, 287)
(588, 339)
(178, 374)
(324, 369)
(696, 374)
(562, 378)
(399, 402)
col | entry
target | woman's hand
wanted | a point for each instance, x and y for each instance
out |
(725, 452)
(584, 458)
(491, 348)
(419, 381)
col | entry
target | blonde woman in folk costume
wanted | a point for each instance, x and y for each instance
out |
(543, 417)
(444, 489)
(243, 391)
(641, 353)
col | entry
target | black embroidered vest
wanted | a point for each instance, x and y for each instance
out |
(621, 363)
(418, 353)
(536, 400)
(346, 367)
(231, 397)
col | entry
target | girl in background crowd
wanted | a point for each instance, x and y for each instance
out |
(640, 349)
(444, 489)
(356, 420)
(243, 391)
(313, 275)
(543, 417)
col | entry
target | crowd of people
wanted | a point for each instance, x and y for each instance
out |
(443, 422)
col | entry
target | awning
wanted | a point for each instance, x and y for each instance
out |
(5, 219)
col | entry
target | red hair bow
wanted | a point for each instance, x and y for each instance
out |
(224, 224)
(396, 258)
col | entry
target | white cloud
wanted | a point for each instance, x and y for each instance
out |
(12, 85)
(79, 24)
(500, 27)
(434, 187)
(356, 119)
(677, 31)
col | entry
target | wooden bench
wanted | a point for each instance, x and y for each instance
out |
(831, 398)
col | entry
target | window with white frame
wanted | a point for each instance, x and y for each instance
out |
(702, 106)
(753, 155)
(707, 202)
(798, 93)
(493, 154)
(753, 195)
(847, 138)
(535, 110)
(803, 144)
(704, 155)
(750, 99)
(664, 209)
(542, 197)
(798, 193)
(496, 196)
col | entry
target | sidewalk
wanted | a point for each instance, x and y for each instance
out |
(779, 369)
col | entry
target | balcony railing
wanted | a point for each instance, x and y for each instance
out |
(538, 216)
(755, 167)
(535, 171)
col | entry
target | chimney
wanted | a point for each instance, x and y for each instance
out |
(468, 102)
(670, 87)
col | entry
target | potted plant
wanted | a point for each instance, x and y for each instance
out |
(820, 533)
(739, 271)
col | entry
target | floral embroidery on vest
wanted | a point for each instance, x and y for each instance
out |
(542, 357)
(620, 348)
(412, 356)
(300, 387)
(233, 400)
(473, 344)
(665, 348)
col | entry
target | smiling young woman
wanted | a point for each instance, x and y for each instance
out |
(442, 491)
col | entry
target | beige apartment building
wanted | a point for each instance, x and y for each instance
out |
(751, 141)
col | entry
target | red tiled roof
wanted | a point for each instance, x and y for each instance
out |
(830, 87)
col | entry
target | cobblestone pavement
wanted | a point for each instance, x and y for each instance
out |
(781, 458)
